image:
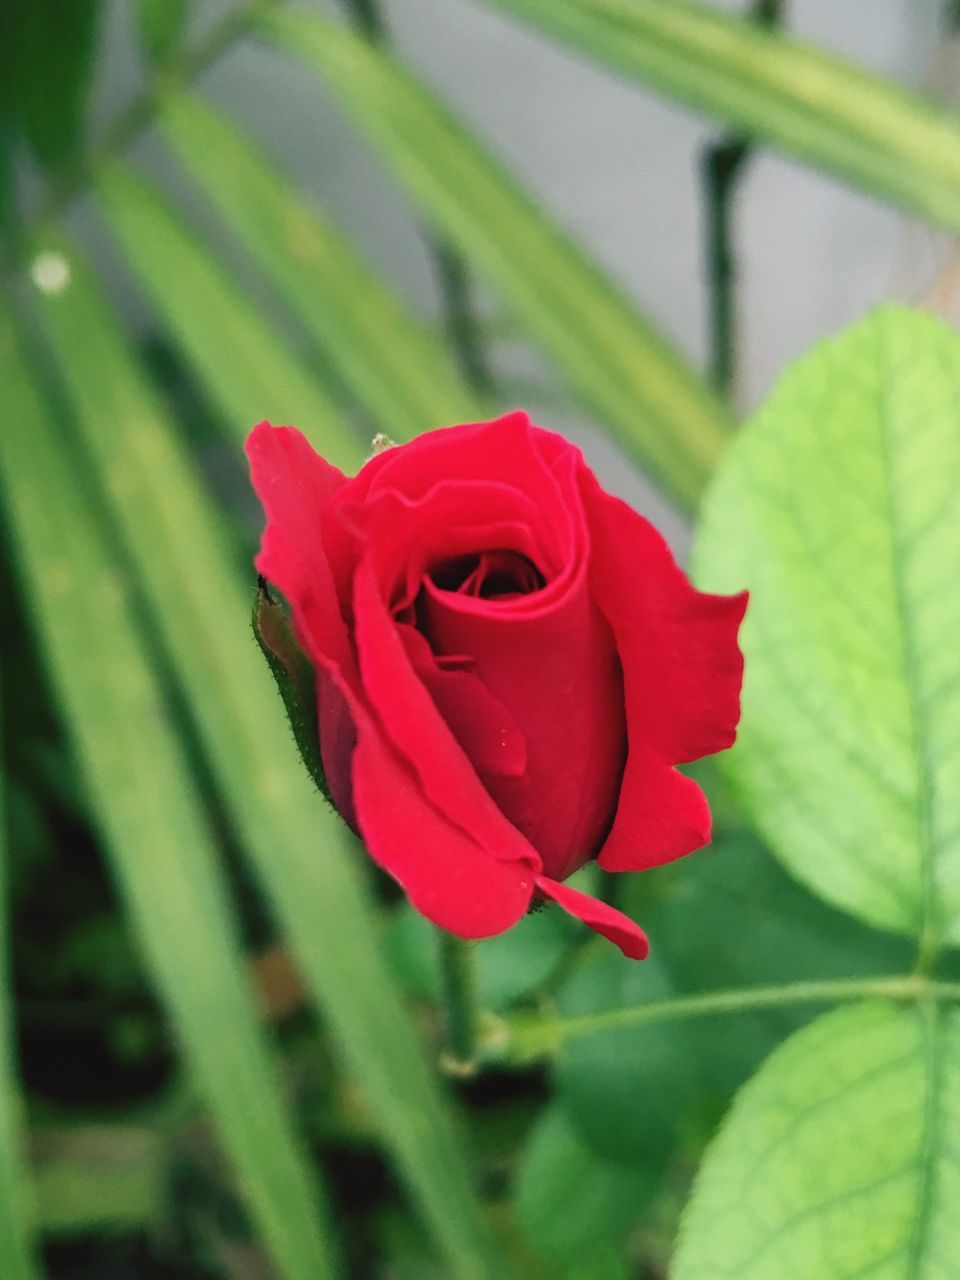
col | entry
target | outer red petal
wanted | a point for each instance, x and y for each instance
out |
(682, 675)
(600, 917)
(296, 486)
(448, 876)
(662, 815)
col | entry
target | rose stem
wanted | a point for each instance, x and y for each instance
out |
(459, 987)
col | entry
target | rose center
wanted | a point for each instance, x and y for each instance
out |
(491, 575)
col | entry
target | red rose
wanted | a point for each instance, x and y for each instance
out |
(509, 665)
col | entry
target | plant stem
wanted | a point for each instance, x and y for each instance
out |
(526, 1038)
(463, 330)
(458, 979)
(723, 165)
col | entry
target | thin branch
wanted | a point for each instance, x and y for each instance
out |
(527, 1038)
(723, 165)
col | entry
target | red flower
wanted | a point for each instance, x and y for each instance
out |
(509, 665)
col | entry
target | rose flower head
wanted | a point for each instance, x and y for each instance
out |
(508, 666)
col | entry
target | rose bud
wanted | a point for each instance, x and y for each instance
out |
(508, 662)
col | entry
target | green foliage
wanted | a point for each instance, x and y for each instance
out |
(839, 1158)
(395, 367)
(571, 1201)
(249, 372)
(299, 847)
(839, 509)
(46, 66)
(602, 347)
(866, 130)
(159, 741)
(509, 967)
(165, 862)
(160, 27)
(17, 1213)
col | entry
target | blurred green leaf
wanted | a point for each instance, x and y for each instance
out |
(249, 372)
(160, 25)
(625, 1091)
(624, 370)
(508, 967)
(570, 1201)
(54, 43)
(95, 1178)
(839, 1159)
(839, 507)
(301, 850)
(17, 1210)
(141, 790)
(393, 364)
(838, 117)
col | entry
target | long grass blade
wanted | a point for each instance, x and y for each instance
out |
(641, 389)
(249, 371)
(143, 796)
(17, 1208)
(393, 364)
(303, 854)
(859, 126)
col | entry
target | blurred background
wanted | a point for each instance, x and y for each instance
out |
(219, 1029)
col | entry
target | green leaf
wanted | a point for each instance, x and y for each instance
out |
(100, 1178)
(838, 117)
(17, 1209)
(570, 1201)
(295, 679)
(249, 372)
(624, 1090)
(304, 856)
(141, 791)
(839, 1158)
(509, 967)
(839, 507)
(54, 44)
(611, 356)
(735, 889)
(393, 364)
(161, 24)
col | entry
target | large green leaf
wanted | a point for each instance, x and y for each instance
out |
(143, 795)
(17, 1209)
(839, 507)
(304, 856)
(571, 1201)
(397, 369)
(248, 370)
(641, 390)
(839, 1159)
(811, 104)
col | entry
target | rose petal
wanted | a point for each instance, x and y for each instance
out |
(661, 815)
(599, 916)
(486, 730)
(558, 675)
(682, 675)
(447, 876)
(414, 725)
(296, 486)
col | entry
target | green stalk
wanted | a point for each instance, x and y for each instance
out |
(459, 983)
(527, 1038)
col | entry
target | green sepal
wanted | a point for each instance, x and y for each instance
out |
(295, 677)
